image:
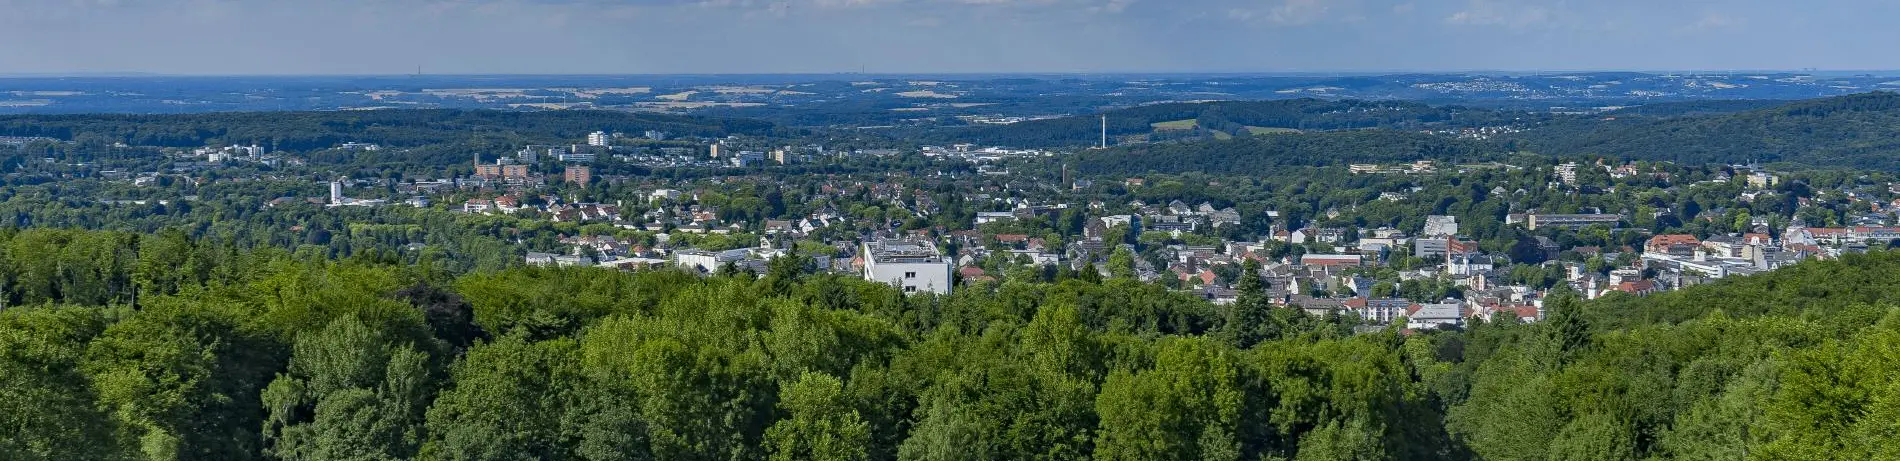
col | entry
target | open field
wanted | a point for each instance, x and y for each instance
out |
(1188, 124)
(1269, 130)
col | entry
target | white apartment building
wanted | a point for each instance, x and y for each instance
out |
(912, 266)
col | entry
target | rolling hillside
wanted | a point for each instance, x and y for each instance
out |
(398, 128)
(1860, 131)
(1857, 131)
(1241, 155)
(1236, 118)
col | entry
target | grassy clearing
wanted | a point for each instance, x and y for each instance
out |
(1188, 124)
(1258, 130)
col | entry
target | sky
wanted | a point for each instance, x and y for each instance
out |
(222, 37)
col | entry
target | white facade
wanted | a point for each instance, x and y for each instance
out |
(914, 267)
(1440, 226)
(598, 138)
(986, 217)
(700, 261)
(1469, 265)
(1435, 316)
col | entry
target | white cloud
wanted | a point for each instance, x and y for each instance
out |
(1512, 14)
(1286, 12)
(1112, 6)
(1713, 21)
(1299, 11)
(847, 3)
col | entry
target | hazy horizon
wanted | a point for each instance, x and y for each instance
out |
(900, 37)
(1316, 73)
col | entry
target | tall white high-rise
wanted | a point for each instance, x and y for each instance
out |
(598, 138)
(336, 192)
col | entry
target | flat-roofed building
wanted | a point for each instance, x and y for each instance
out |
(1440, 226)
(1571, 221)
(579, 174)
(910, 265)
(1352, 260)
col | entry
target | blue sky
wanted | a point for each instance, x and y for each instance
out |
(927, 36)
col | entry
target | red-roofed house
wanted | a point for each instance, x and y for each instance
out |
(1637, 287)
(1528, 314)
(1833, 235)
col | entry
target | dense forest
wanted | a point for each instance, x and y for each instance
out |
(1859, 131)
(1856, 131)
(135, 347)
(1231, 117)
(1719, 106)
(1259, 154)
(302, 131)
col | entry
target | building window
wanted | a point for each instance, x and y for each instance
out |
(910, 275)
(910, 289)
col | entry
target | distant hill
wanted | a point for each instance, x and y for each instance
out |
(1676, 109)
(1860, 131)
(396, 128)
(1241, 155)
(1228, 118)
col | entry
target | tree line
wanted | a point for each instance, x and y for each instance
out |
(1855, 131)
(264, 354)
(305, 131)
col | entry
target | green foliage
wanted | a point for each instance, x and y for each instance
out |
(1187, 407)
(351, 393)
(820, 424)
(307, 359)
(1235, 118)
(44, 399)
(302, 131)
(1855, 131)
(182, 381)
(1279, 151)
(507, 402)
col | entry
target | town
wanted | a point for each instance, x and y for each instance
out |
(882, 230)
(1421, 244)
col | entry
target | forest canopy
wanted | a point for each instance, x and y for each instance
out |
(125, 346)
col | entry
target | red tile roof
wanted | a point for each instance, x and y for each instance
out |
(1636, 287)
(1663, 242)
